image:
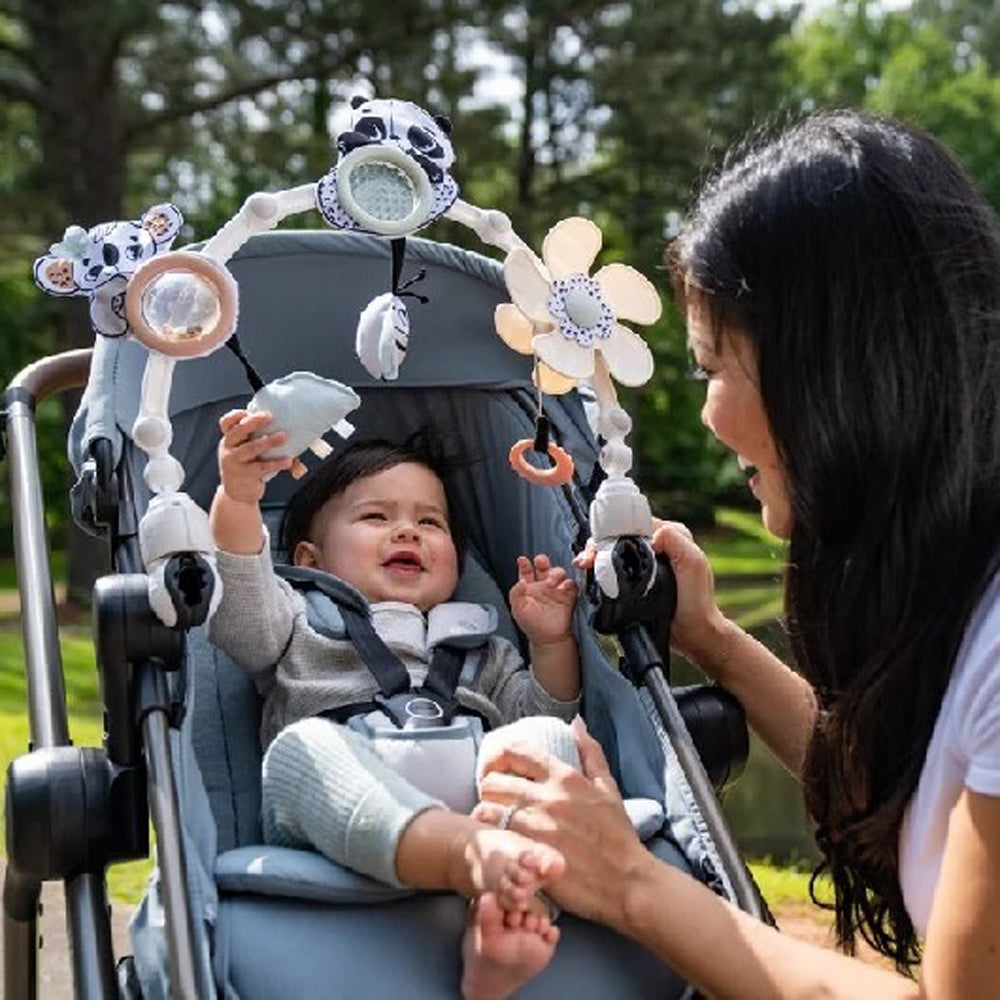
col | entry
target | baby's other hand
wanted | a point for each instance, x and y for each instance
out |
(242, 471)
(542, 600)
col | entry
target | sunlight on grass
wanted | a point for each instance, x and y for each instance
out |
(747, 562)
(80, 674)
(745, 548)
(781, 885)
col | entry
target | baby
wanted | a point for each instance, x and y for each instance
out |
(377, 517)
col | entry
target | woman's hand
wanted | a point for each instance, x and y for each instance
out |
(699, 631)
(581, 814)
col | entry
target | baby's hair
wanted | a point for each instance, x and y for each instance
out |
(368, 458)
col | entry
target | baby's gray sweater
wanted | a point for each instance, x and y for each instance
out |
(261, 623)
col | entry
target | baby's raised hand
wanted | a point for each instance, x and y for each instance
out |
(242, 471)
(542, 600)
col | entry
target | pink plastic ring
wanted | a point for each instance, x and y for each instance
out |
(558, 474)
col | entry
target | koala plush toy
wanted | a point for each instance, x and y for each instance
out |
(98, 262)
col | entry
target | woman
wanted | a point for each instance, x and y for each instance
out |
(842, 289)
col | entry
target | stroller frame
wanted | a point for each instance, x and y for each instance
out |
(131, 776)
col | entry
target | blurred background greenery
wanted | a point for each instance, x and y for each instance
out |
(613, 110)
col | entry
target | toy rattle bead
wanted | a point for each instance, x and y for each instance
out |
(181, 304)
(559, 473)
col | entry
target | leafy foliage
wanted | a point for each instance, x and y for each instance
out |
(935, 65)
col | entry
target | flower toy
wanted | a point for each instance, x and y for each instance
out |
(566, 318)
(570, 322)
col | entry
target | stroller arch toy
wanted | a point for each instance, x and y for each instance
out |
(226, 915)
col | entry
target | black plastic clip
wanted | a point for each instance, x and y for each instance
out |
(542, 427)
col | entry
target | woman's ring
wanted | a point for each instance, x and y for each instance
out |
(506, 815)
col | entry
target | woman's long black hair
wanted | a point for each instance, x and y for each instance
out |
(865, 268)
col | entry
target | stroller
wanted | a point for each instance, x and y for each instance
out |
(225, 915)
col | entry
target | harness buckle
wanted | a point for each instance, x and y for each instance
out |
(420, 709)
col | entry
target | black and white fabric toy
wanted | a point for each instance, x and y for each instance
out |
(98, 262)
(391, 176)
(390, 179)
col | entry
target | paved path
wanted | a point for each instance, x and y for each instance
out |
(55, 978)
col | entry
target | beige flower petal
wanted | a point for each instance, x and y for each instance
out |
(566, 356)
(514, 328)
(528, 287)
(628, 358)
(571, 246)
(549, 380)
(630, 294)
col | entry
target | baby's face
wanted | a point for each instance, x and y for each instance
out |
(389, 536)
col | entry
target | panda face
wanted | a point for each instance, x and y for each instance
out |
(391, 176)
(404, 125)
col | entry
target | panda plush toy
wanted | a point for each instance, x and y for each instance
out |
(391, 176)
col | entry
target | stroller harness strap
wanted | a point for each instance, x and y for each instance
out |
(390, 674)
(432, 704)
(456, 635)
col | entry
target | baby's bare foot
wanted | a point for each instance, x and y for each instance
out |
(507, 864)
(503, 949)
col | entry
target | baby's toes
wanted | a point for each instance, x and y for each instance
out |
(489, 913)
(515, 889)
(545, 862)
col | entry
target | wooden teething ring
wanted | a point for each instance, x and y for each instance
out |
(561, 472)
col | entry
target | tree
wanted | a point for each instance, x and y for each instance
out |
(912, 64)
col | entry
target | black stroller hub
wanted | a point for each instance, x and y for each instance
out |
(68, 809)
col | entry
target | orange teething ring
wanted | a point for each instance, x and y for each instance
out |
(561, 472)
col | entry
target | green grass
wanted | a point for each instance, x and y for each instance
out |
(82, 693)
(781, 885)
(8, 570)
(743, 548)
(747, 562)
